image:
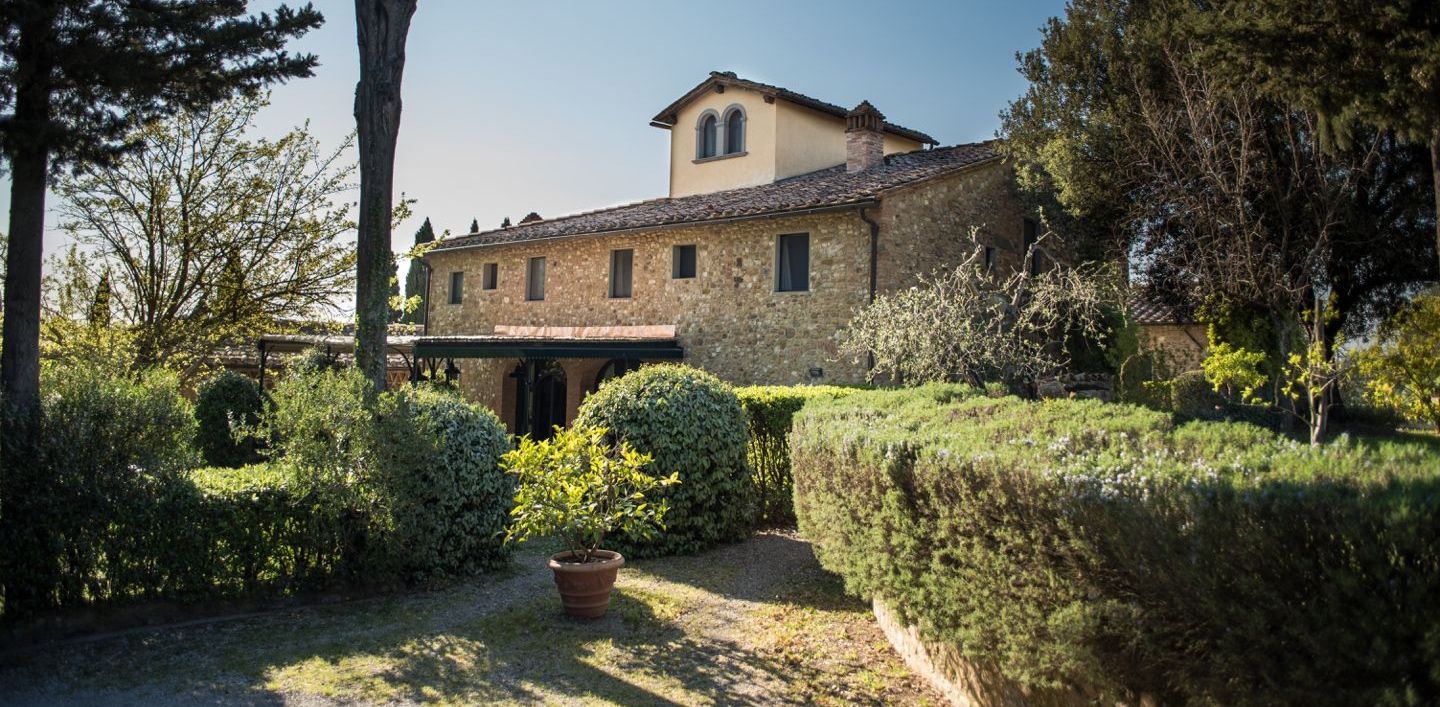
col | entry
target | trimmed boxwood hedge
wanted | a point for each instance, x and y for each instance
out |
(1076, 544)
(769, 410)
(691, 423)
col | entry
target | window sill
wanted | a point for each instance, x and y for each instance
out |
(716, 158)
(793, 292)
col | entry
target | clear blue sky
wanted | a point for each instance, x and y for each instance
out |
(512, 107)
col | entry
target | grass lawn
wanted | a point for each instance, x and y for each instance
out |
(754, 623)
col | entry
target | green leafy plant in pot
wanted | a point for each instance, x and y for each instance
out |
(580, 486)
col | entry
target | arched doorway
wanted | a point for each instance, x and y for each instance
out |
(614, 368)
(539, 398)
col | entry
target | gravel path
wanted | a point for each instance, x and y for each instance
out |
(753, 623)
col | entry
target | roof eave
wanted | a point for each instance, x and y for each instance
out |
(847, 206)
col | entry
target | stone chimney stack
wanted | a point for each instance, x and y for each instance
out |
(864, 138)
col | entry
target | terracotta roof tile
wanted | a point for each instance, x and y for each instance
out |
(826, 188)
(1145, 310)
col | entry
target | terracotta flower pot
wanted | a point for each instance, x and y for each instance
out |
(585, 587)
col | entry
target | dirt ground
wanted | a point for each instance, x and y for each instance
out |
(757, 623)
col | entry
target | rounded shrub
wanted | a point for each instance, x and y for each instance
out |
(692, 424)
(1193, 398)
(448, 502)
(225, 402)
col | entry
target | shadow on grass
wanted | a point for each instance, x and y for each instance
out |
(637, 654)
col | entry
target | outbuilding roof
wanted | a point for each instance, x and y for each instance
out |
(824, 189)
(721, 79)
(1148, 310)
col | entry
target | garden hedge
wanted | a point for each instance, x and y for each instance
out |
(691, 423)
(110, 504)
(769, 410)
(224, 402)
(1073, 544)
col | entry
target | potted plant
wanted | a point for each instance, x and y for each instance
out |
(580, 486)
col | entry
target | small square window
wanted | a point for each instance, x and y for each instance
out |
(622, 265)
(792, 262)
(535, 279)
(682, 262)
(457, 287)
(490, 278)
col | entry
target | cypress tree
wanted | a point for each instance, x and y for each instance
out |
(415, 276)
(474, 225)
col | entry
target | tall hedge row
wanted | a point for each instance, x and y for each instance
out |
(769, 410)
(692, 424)
(110, 504)
(1076, 544)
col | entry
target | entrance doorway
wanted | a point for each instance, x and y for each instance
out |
(539, 398)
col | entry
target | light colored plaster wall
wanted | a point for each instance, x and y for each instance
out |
(729, 318)
(808, 140)
(926, 227)
(755, 167)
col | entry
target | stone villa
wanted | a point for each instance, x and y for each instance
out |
(785, 215)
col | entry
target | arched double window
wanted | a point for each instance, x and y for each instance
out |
(734, 130)
(707, 135)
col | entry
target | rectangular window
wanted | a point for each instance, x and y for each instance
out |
(622, 264)
(682, 262)
(989, 258)
(792, 262)
(457, 287)
(1031, 238)
(535, 279)
(490, 279)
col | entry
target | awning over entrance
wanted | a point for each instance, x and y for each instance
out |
(517, 347)
(526, 342)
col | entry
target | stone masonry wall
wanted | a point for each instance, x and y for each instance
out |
(927, 226)
(729, 318)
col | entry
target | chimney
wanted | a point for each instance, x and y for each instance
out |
(864, 138)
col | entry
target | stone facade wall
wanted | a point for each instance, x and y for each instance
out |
(1182, 346)
(927, 226)
(729, 318)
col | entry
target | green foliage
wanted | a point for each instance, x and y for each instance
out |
(966, 324)
(1235, 371)
(416, 275)
(225, 407)
(1401, 369)
(444, 496)
(582, 486)
(80, 517)
(693, 425)
(1193, 398)
(111, 508)
(1071, 543)
(1143, 381)
(768, 411)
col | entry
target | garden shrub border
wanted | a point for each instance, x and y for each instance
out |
(769, 411)
(1100, 549)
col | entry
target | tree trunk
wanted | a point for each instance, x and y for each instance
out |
(1435, 179)
(380, 26)
(29, 169)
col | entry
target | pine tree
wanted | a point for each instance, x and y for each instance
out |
(415, 277)
(78, 77)
(505, 223)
